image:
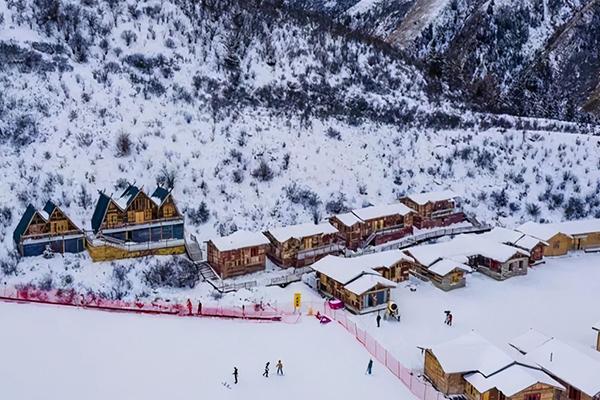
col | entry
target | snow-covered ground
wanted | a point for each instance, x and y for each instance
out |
(65, 353)
(560, 298)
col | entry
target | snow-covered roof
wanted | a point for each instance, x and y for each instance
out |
(444, 266)
(367, 282)
(348, 218)
(568, 364)
(541, 231)
(464, 246)
(341, 269)
(511, 380)
(285, 233)
(44, 214)
(529, 341)
(373, 212)
(513, 237)
(240, 240)
(426, 197)
(596, 326)
(381, 259)
(470, 353)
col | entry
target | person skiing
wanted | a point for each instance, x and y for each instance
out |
(370, 366)
(235, 375)
(378, 320)
(450, 319)
(279, 366)
(199, 308)
(447, 312)
(189, 306)
(266, 373)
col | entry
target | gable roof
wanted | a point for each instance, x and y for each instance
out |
(49, 208)
(426, 197)
(159, 195)
(100, 211)
(444, 266)
(569, 228)
(511, 380)
(240, 240)
(285, 233)
(540, 231)
(24, 223)
(471, 353)
(368, 281)
(568, 364)
(386, 210)
(127, 197)
(513, 237)
(529, 341)
(341, 269)
(348, 218)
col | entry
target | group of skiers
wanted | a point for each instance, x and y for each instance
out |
(279, 367)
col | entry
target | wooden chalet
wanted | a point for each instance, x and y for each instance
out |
(373, 225)
(432, 205)
(48, 229)
(361, 289)
(472, 367)
(596, 327)
(565, 236)
(135, 224)
(574, 369)
(391, 264)
(444, 273)
(237, 254)
(534, 246)
(301, 245)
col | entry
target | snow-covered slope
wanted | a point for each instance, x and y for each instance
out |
(266, 117)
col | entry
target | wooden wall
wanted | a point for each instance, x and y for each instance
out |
(558, 245)
(546, 392)
(109, 253)
(598, 342)
(238, 261)
(445, 383)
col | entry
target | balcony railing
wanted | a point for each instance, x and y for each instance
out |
(302, 254)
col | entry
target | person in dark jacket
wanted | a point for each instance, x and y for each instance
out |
(266, 373)
(279, 366)
(378, 320)
(235, 374)
(370, 366)
(199, 308)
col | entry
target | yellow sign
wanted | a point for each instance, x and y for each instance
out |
(297, 299)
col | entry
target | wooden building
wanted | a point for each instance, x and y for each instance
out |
(301, 245)
(135, 224)
(49, 229)
(516, 382)
(373, 225)
(361, 289)
(444, 273)
(391, 264)
(574, 369)
(432, 205)
(596, 327)
(534, 246)
(565, 236)
(237, 254)
(446, 364)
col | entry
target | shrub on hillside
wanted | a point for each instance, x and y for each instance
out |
(123, 144)
(198, 215)
(176, 272)
(263, 172)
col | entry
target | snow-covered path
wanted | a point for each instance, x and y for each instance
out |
(63, 353)
(560, 298)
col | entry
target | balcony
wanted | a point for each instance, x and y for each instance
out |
(317, 251)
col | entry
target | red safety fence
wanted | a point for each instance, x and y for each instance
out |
(69, 297)
(421, 389)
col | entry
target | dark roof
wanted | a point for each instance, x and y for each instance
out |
(24, 223)
(49, 207)
(161, 193)
(100, 211)
(130, 193)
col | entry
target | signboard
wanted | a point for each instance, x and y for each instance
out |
(297, 300)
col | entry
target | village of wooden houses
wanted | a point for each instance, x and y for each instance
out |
(358, 258)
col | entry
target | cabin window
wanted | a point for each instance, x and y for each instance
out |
(112, 219)
(254, 252)
(168, 211)
(533, 396)
(148, 214)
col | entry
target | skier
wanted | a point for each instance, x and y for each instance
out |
(235, 375)
(447, 312)
(450, 319)
(199, 308)
(378, 320)
(189, 306)
(279, 366)
(266, 373)
(369, 366)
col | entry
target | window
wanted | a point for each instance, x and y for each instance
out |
(112, 219)
(533, 396)
(168, 211)
(254, 252)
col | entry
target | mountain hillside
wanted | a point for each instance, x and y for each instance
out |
(257, 115)
(528, 57)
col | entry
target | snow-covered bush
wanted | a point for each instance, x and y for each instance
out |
(174, 272)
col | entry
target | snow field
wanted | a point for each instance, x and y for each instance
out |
(66, 353)
(559, 298)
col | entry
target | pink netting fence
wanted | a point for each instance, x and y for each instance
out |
(421, 389)
(259, 312)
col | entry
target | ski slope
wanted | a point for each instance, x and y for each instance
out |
(71, 354)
